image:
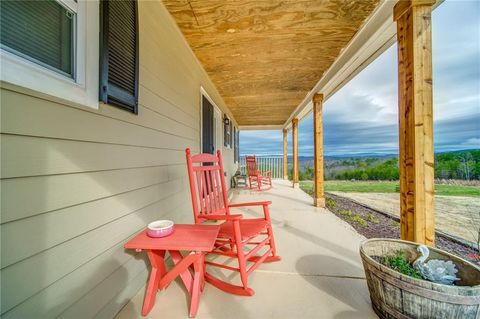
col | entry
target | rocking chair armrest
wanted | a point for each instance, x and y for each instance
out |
(263, 203)
(223, 217)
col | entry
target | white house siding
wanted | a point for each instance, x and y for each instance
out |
(77, 183)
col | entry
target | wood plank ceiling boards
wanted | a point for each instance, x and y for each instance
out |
(265, 56)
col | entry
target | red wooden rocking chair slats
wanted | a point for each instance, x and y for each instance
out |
(256, 178)
(210, 202)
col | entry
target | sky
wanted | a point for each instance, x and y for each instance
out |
(362, 117)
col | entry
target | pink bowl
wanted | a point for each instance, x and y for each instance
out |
(160, 228)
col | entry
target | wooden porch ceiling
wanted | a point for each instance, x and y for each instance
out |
(265, 56)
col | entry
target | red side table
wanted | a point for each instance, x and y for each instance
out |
(195, 239)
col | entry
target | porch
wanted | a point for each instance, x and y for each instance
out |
(318, 275)
(81, 176)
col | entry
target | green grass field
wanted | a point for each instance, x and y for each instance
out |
(388, 187)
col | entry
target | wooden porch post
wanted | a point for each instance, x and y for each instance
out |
(295, 152)
(319, 196)
(285, 153)
(414, 37)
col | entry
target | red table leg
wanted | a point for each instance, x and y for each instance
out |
(180, 268)
(156, 258)
(160, 278)
(186, 276)
(197, 285)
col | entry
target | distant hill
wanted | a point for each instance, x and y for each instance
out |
(461, 164)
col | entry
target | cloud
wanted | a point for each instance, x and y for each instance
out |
(363, 116)
(473, 142)
(261, 142)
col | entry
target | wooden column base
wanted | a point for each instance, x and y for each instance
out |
(296, 185)
(285, 177)
(319, 202)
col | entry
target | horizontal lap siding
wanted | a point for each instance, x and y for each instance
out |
(78, 183)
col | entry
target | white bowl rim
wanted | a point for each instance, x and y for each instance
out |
(153, 225)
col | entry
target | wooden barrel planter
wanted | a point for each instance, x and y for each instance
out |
(395, 295)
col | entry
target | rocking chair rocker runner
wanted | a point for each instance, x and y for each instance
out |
(257, 178)
(210, 202)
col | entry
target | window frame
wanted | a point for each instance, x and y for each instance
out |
(82, 86)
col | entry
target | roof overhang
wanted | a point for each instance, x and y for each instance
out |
(376, 35)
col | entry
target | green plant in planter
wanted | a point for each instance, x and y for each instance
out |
(399, 263)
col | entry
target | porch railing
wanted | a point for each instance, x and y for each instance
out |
(272, 163)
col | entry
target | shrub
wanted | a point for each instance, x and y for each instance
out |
(394, 223)
(346, 213)
(352, 217)
(371, 217)
(331, 203)
(359, 220)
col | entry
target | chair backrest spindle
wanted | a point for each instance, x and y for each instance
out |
(207, 185)
(251, 163)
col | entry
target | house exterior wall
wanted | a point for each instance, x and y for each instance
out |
(77, 183)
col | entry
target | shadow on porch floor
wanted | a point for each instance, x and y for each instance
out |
(320, 275)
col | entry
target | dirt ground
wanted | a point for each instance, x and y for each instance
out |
(372, 224)
(455, 215)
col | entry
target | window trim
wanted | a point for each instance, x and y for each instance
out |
(82, 88)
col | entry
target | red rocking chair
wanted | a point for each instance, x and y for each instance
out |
(210, 202)
(257, 178)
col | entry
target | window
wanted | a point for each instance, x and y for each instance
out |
(119, 54)
(40, 31)
(43, 47)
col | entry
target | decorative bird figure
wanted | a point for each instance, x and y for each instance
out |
(435, 270)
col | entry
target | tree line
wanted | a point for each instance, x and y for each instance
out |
(464, 165)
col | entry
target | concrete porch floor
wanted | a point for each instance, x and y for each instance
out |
(320, 275)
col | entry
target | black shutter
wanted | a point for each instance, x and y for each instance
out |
(119, 54)
(231, 133)
(237, 146)
(227, 132)
(225, 135)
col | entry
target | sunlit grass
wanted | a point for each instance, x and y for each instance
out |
(388, 187)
